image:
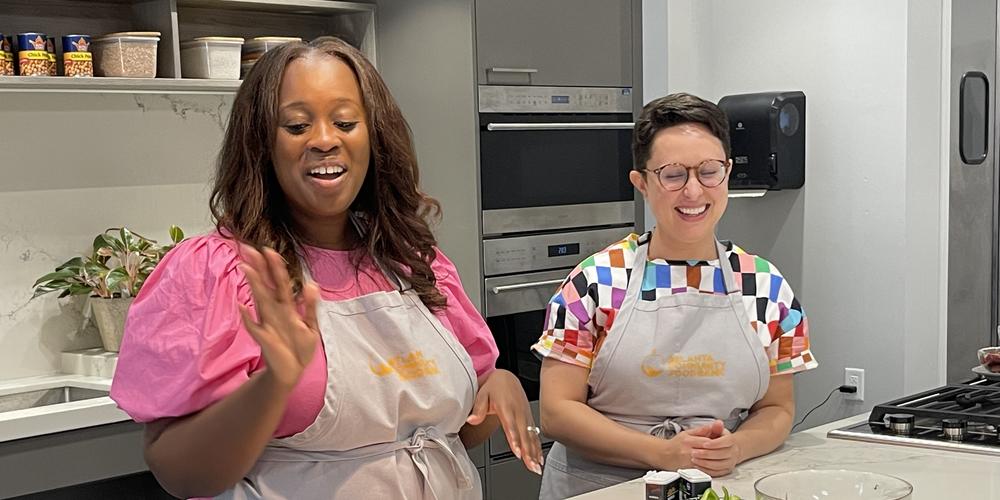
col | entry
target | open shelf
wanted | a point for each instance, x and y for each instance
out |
(177, 21)
(321, 7)
(117, 85)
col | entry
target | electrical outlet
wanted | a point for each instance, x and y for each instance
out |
(855, 377)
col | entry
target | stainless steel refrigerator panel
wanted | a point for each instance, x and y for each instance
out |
(972, 242)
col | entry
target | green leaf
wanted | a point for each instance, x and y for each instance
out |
(48, 289)
(60, 275)
(101, 241)
(176, 234)
(95, 268)
(75, 262)
(116, 279)
(77, 290)
(127, 240)
(710, 494)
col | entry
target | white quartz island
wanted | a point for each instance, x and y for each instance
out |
(934, 474)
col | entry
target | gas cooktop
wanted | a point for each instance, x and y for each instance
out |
(960, 417)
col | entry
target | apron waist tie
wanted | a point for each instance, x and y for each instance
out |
(422, 438)
(433, 438)
(673, 426)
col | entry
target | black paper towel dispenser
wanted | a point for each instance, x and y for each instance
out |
(767, 131)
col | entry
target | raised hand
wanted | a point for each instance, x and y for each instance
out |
(287, 338)
(501, 395)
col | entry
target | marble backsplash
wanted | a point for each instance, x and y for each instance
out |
(72, 165)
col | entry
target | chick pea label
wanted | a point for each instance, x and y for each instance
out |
(696, 365)
(78, 56)
(407, 367)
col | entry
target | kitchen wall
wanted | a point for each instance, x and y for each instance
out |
(862, 243)
(72, 165)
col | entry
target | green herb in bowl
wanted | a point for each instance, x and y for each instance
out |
(710, 494)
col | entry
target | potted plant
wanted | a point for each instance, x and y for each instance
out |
(112, 275)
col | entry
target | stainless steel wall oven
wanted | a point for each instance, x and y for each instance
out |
(554, 164)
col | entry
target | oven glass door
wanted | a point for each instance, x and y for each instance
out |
(515, 334)
(539, 160)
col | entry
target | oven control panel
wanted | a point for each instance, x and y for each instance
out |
(523, 254)
(526, 99)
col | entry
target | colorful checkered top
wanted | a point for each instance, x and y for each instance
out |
(582, 311)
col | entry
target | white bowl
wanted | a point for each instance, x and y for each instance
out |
(831, 484)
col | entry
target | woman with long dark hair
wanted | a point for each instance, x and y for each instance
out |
(317, 344)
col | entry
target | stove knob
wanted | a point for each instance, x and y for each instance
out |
(954, 429)
(901, 423)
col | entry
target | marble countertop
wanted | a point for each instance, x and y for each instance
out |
(934, 474)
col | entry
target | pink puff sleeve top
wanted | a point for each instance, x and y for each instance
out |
(185, 346)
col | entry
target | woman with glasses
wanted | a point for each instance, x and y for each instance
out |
(670, 349)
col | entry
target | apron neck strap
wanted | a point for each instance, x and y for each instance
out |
(394, 279)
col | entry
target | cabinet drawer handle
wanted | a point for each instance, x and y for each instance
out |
(511, 70)
(561, 126)
(497, 290)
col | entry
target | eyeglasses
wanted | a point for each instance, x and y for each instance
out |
(674, 176)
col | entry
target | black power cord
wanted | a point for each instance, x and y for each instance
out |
(846, 389)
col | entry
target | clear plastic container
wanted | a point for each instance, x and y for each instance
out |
(212, 57)
(130, 54)
(253, 49)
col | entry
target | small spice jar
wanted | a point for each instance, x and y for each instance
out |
(78, 61)
(6, 56)
(50, 48)
(32, 56)
(694, 483)
(662, 485)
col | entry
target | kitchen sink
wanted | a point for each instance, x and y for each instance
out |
(45, 397)
(47, 404)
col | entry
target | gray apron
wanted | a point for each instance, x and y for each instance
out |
(667, 365)
(399, 388)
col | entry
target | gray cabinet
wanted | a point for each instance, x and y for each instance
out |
(509, 480)
(555, 42)
(62, 460)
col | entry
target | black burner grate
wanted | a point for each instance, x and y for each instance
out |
(977, 402)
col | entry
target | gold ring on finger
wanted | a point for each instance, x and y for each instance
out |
(536, 430)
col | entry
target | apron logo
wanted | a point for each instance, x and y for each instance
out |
(697, 365)
(408, 367)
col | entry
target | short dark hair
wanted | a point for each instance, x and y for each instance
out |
(676, 109)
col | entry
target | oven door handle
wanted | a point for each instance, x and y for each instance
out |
(561, 126)
(497, 290)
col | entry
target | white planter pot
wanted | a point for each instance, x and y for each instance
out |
(109, 315)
